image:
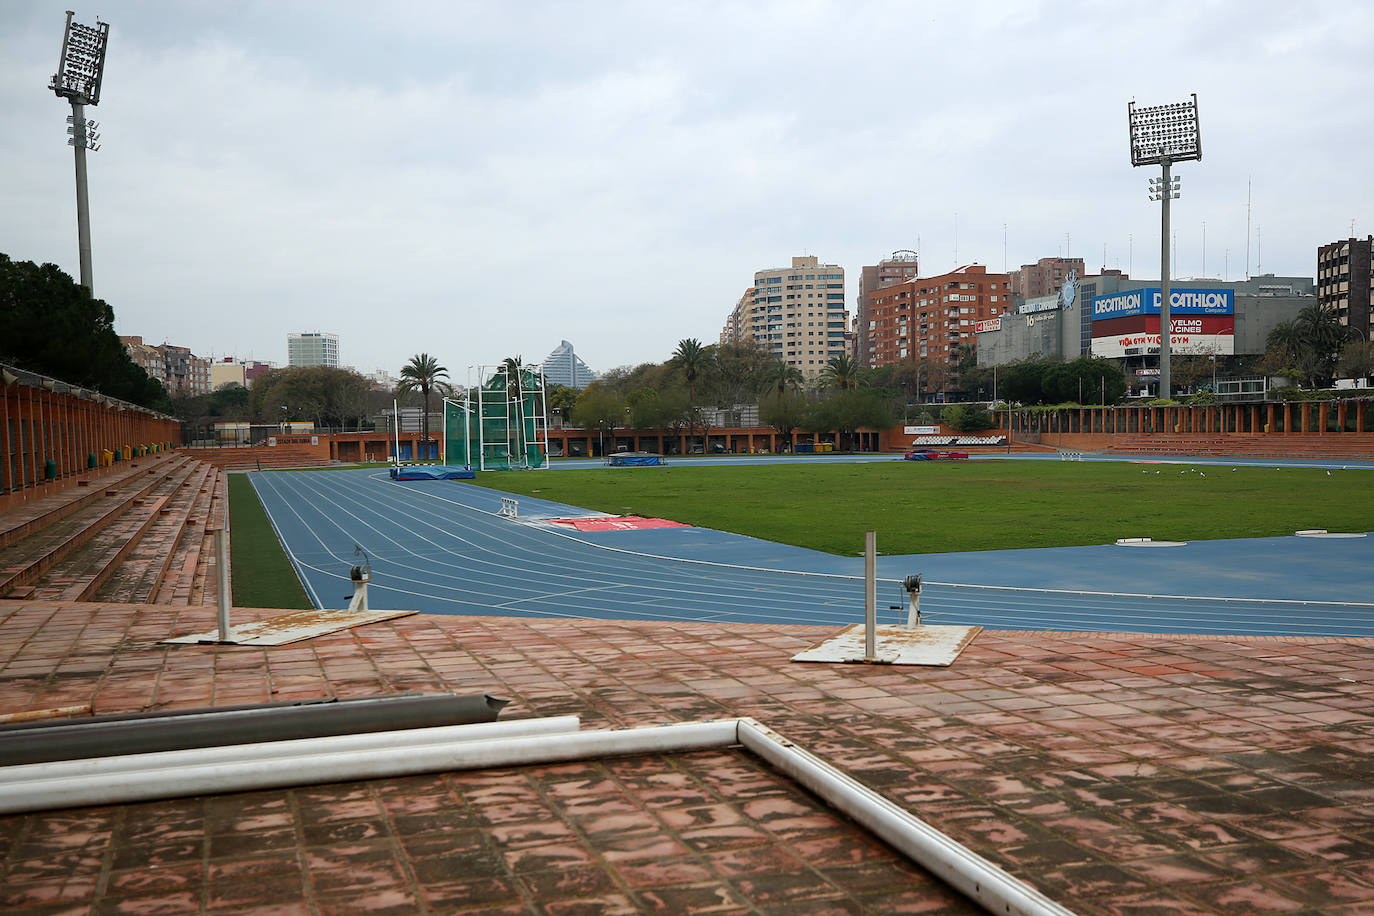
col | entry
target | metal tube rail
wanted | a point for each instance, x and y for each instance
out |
(975, 877)
(209, 728)
(299, 747)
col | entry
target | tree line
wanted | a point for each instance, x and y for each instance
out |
(700, 386)
(1314, 348)
(49, 325)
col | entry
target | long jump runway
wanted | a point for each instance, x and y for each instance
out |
(442, 547)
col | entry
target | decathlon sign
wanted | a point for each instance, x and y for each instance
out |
(1181, 302)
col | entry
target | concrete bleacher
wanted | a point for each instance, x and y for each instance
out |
(961, 441)
(138, 534)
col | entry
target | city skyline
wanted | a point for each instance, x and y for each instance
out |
(478, 183)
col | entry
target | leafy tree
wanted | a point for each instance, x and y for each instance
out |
(227, 402)
(49, 325)
(786, 412)
(1023, 381)
(916, 377)
(1084, 380)
(1357, 360)
(968, 418)
(849, 410)
(977, 382)
(599, 408)
(323, 395)
(650, 409)
(967, 359)
(740, 372)
(424, 374)
(562, 399)
(1192, 369)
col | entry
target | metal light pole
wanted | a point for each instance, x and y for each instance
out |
(80, 70)
(1163, 135)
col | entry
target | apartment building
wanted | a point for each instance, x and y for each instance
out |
(902, 265)
(312, 349)
(931, 317)
(1344, 272)
(796, 313)
(179, 370)
(1045, 277)
(734, 330)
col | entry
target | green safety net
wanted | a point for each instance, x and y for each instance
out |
(497, 431)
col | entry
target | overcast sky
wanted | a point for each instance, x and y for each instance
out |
(476, 180)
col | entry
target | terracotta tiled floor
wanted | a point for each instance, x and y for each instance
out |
(1118, 774)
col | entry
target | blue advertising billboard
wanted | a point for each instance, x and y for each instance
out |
(1181, 302)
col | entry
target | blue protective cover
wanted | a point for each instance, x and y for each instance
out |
(635, 461)
(432, 472)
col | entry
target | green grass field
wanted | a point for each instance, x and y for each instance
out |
(919, 507)
(262, 574)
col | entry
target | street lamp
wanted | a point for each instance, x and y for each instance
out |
(1163, 135)
(80, 70)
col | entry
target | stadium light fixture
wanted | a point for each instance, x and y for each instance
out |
(1162, 135)
(80, 72)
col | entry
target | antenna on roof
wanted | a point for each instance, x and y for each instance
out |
(1247, 228)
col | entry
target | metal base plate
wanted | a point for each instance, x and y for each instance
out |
(895, 645)
(288, 628)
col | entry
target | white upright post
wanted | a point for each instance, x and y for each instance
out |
(396, 419)
(544, 412)
(870, 596)
(481, 427)
(222, 571)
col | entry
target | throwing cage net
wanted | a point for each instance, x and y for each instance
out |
(501, 423)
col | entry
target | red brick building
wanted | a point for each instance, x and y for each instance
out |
(930, 317)
(1044, 277)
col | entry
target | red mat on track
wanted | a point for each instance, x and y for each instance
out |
(618, 523)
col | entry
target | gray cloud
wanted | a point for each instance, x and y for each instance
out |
(477, 180)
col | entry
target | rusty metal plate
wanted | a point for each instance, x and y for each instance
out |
(289, 628)
(895, 645)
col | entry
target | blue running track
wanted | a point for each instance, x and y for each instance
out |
(442, 547)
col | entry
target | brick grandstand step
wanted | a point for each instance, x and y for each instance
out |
(25, 561)
(141, 573)
(30, 517)
(191, 578)
(1350, 446)
(81, 574)
(251, 458)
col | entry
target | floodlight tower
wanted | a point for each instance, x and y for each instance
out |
(1163, 135)
(79, 72)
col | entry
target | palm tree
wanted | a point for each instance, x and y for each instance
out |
(1325, 336)
(424, 374)
(783, 377)
(841, 372)
(1310, 343)
(693, 358)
